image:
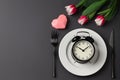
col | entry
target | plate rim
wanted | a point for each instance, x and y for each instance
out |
(106, 51)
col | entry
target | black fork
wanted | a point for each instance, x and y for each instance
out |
(54, 42)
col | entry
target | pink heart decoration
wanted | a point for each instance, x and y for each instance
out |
(60, 22)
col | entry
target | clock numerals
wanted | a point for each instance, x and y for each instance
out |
(79, 44)
(76, 54)
(89, 47)
(83, 50)
(87, 44)
(82, 58)
(74, 50)
(90, 54)
(83, 43)
(91, 50)
(87, 57)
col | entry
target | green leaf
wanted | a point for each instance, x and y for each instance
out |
(104, 11)
(113, 11)
(91, 15)
(111, 3)
(111, 15)
(94, 7)
(82, 2)
(89, 2)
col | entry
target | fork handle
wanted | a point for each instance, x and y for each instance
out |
(54, 62)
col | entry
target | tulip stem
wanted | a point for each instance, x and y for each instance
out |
(94, 7)
(92, 15)
(109, 15)
(104, 11)
(81, 3)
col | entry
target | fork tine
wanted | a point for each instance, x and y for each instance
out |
(54, 34)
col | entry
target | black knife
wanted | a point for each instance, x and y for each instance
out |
(111, 42)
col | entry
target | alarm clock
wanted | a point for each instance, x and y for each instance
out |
(83, 48)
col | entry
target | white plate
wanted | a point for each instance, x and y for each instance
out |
(77, 68)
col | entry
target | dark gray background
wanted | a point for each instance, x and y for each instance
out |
(25, 50)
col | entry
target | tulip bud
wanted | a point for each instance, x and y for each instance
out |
(100, 20)
(71, 9)
(82, 20)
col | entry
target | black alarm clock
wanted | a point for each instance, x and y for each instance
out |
(83, 48)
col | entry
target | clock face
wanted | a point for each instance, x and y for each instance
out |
(83, 50)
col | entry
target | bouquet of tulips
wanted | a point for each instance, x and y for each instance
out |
(104, 9)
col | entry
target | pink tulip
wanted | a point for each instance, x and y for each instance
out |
(71, 9)
(100, 20)
(82, 20)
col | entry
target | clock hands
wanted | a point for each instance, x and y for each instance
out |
(86, 48)
(80, 48)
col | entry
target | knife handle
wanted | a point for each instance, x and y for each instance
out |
(113, 64)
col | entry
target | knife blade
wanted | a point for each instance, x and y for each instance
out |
(111, 43)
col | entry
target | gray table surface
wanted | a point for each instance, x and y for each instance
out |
(25, 50)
